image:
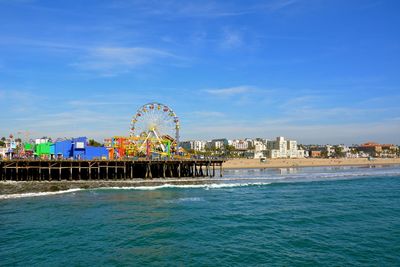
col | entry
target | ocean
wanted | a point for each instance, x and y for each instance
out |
(320, 216)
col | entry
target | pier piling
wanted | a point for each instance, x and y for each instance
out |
(58, 170)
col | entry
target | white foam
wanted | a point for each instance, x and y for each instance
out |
(10, 196)
(228, 182)
(206, 186)
(184, 199)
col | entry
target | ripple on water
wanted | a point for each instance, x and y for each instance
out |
(331, 221)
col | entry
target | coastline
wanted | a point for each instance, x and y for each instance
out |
(8, 189)
(306, 162)
(23, 187)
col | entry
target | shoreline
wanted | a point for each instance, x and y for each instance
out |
(23, 187)
(299, 163)
(10, 188)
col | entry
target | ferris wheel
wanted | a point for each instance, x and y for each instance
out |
(155, 121)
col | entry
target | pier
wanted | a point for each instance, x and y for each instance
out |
(53, 170)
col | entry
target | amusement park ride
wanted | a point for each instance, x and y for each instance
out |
(154, 132)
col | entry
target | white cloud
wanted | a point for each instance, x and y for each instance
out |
(115, 60)
(230, 91)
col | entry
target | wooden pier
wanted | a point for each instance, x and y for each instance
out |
(53, 170)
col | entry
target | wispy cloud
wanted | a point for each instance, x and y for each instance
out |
(230, 91)
(280, 4)
(86, 103)
(231, 39)
(49, 44)
(200, 9)
(20, 101)
(115, 60)
(179, 9)
(209, 114)
(303, 100)
(106, 60)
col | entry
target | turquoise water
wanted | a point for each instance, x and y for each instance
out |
(283, 217)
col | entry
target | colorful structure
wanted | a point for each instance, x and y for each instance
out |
(93, 152)
(154, 133)
(151, 133)
(43, 149)
(77, 148)
(157, 123)
(63, 149)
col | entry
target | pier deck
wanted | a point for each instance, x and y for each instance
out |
(53, 170)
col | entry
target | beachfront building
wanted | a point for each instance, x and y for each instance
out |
(260, 149)
(281, 148)
(341, 151)
(330, 150)
(218, 143)
(373, 149)
(315, 153)
(195, 145)
(250, 142)
(239, 144)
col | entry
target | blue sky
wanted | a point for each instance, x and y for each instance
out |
(318, 71)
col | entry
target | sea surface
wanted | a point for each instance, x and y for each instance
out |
(320, 216)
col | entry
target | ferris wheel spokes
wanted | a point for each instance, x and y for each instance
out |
(156, 123)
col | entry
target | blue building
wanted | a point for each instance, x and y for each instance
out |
(63, 149)
(93, 152)
(77, 148)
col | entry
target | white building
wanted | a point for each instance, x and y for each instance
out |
(281, 148)
(199, 145)
(41, 141)
(330, 151)
(239, 144)
(217, 143)
(259, 146)
(259, 149)
(196, 145)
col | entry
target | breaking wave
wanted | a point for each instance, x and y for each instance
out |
(249, 177)
(205, 186)
(39, 194)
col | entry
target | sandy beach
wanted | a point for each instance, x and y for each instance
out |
(287, 163)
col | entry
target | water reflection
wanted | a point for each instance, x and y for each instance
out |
(284, 171)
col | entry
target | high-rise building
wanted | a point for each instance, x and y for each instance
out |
(281, 148)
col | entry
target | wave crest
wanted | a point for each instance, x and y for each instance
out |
(39, 194)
